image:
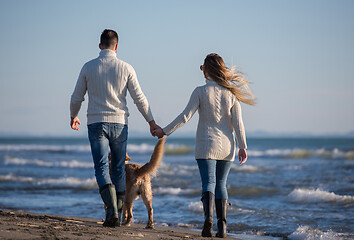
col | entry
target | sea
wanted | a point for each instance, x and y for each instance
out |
(290, 188)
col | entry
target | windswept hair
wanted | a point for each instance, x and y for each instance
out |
(229, 78)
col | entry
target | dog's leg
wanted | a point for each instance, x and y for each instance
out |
(125, 213)
(146, 196)
(129, 209)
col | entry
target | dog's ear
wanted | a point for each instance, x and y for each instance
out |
(127, 158)
(109, 156)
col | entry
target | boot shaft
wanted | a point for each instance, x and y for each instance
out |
(208, 202)
(109, 197)
(120, 200)
(221, 211)
(208, 205)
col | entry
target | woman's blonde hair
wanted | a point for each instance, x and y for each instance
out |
(229, 78)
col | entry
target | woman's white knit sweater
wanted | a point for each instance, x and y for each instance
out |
(219, 117)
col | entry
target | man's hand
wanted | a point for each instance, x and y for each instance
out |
(73, 123)
(153, 127)
(158, 133)
(242, 156)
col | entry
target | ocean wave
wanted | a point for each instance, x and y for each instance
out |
(196, 206)
(309, 233)
(66, 182)
(47, 148)
(315, 196)
(246, 168)
(186, 225)
(65, 164)
(297, 153)
(175, 191)
(170, 149)
(140, 148)
(143, 148)
(177, 149)
(177, 170)
(131, 148)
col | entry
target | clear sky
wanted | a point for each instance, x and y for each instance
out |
(299, 55)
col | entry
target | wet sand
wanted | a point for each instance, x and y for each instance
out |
(20, 225)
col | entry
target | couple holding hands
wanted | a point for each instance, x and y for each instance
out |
(107, 80)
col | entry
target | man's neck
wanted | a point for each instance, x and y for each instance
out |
(112, 49)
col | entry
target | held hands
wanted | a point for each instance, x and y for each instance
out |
(156, 130)
(73, 123)
(242, 156)
(159, 133)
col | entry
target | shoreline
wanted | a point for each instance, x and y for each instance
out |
(23, 225)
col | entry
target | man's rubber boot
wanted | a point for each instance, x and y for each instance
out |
(108, 194)
(120, 203)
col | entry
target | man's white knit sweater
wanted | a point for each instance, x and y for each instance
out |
(107, 79)
(219, 117)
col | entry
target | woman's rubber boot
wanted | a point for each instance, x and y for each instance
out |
(221, 207)
(208, 200)
(120, 203)
(108, 194)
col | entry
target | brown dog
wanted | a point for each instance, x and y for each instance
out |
(138, 183)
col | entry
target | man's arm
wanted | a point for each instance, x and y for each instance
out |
(139, 98)
(77, 98)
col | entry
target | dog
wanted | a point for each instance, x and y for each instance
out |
(138, 183)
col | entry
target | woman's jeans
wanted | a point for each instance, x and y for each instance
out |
(105, 136)
(214, 174)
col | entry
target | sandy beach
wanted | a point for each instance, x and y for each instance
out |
(20, 225)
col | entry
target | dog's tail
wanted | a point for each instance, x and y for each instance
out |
(156, 157)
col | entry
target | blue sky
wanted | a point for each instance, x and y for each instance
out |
(299, 55)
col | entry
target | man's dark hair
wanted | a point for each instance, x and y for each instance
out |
(109, 38)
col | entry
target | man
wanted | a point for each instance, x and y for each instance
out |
(107, 80)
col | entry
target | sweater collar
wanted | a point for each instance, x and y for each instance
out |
(108, 53)
(209, 80)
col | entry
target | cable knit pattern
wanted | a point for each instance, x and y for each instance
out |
(219, 117)
(107, 80)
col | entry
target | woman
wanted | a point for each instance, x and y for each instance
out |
(218, 105)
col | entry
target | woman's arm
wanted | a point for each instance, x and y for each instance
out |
(240, 131)
(187, 114)
(238, 125)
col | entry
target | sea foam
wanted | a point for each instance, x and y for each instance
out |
(66, 182)
(47, 148)
(177, 149)
(308, 233)
(174, 191)
(196, 206)
(170, 149)
(66, 164)
(318, 195)
(246, 168)
(299, 153)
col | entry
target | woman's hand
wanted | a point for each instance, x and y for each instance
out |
(242, 156)
(158, 133)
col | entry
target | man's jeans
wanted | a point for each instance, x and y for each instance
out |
(214, 174)
(105, 136)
